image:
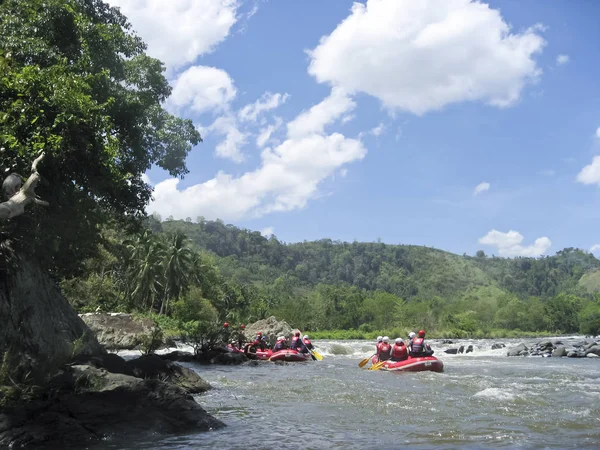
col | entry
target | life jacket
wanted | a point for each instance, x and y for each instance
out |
(385, 351)
(307, 343)
(418, 345)
(296, 343)
(279, 345)
(378, 347)
(399, 353)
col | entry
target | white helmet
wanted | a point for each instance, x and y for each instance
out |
(379, 338)
(412, 334)
(305, 336)
(280, 338)
(386, 339)
(399, 341)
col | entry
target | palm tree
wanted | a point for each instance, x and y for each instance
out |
(178, 265)
(144, 269)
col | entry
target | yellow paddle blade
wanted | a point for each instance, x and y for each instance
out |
(377, 366)
(317, 355)
(364, 362)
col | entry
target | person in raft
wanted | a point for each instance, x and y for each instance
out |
(297, 343)
(281, 344)
(418, 347)
(378, 343)
(260, 341)
(411, 336)
(385, 349)
(399, 351)
(307, 342)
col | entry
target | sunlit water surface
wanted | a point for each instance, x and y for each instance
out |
(483, 399)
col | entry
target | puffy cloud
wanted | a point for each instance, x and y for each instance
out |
(595, 248)
(481, 187)
(201, 89)
(231, 147)
(422, 55)
(336, 105)
(178, 31)
(590, 174)
(562, 59)
(509, 244)
(265, 133)
(269, 231)
(288, 177)
(266, 103)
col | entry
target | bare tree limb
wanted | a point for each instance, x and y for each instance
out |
(19, 195)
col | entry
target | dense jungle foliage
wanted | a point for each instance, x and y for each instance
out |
(207, 271)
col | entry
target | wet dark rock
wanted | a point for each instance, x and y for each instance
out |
(545, 344)
(446, 341)
(102, 405)
(230, 358)
(451, 351)
(469, 349)
(461, 349)
(497, 346)
(560, 351)
(156, 368)
(178, 355)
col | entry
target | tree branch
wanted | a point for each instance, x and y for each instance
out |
(20, 195)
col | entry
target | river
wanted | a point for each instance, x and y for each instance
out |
(483, 399)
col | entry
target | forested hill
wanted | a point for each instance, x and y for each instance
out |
(407, 271)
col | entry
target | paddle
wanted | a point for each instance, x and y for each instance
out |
(377, 365)
(316, 354)
(364, 362)
(312, 355)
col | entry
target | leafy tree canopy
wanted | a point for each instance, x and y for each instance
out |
(75, 83)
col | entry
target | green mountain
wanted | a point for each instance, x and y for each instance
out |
(407, 271)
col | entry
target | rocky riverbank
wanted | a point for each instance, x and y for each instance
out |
(548, 348)
(59, 386)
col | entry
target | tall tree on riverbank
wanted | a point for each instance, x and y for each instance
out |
(76, 84)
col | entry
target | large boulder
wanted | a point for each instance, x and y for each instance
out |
(100, 405)
(560, 351)
(595, 350)
(270, 327)
(118, 331)
(519, 350)
(38, 326)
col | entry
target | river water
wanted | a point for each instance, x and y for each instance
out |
(483, 399)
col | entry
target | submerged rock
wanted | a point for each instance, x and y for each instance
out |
(497, 346)
(118, 331)
(451, 351)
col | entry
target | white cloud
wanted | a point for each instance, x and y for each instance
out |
(378, 130)
(146, 179)
(343, 172)
(509, 244)
(420, 56)
(288, 177)
(562, 59)
(481, 187)
(598, 133)
(178, 31)
(595, 248)
(231, 147)
(590, 174)
(336, 105)
(269, 231)
(201, 89)
(266, 103)
(265, 133)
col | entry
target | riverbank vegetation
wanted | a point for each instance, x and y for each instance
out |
(190, 274)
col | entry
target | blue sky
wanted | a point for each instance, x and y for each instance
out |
(380, 120)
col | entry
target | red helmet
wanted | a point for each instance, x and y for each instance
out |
(259, 333)
(298, 333)
(243, 327)
(421, 333)
(226, 324)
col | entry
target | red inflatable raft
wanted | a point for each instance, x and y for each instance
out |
(289, 355)
(419, 364)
